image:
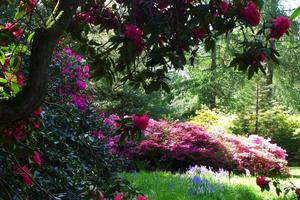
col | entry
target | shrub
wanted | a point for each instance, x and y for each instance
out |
(54, 153)
(212, 119)
(173, 146)
(280, 126)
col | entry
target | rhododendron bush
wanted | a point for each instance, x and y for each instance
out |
(57, 152)
(176, 146)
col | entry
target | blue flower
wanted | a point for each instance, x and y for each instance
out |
(196, 180)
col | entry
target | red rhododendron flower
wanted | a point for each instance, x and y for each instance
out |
(134, 34)
(86, 17)
(58, 42)
(199, 33)
(250, 14)
(141, 197)
(261, 181)
(20, 79)
(280, 26)
(36, 158)
(223, 6)
(37, 112)
(118, 196)
(263, 57)
(297, 191)
(17, 32)
(101, 196)
(140, 121)
(29, 5)
(24, 173)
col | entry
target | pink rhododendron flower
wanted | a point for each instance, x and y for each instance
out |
(20, 79)
(141, 197)
(86, 68)
(81, 85)
(140, 121)
(250, 14)
(17, 32)
(36, 158)
(280, 26)
(24, 173)
(79, 102)
(86, 75)
(98, 134)
(261, 181)
(36, 124)
(119, 196)
(223, 6)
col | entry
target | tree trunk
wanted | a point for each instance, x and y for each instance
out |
(212, 94)
(34, 92)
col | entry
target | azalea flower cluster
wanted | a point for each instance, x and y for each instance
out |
(180, 145)
(256, 154)
(72, 84)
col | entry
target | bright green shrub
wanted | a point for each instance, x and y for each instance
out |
(212, 118)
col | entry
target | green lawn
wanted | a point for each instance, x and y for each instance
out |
(167, 186)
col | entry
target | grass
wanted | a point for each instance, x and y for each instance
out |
(168, 186)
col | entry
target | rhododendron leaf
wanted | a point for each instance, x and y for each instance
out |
(295, 14)
(20, 15)
(2, 57)
(2, 80)
(287, 191)
(210, 44)
(166, 87)
(15, 62)
(274, 58)
(15, 88)
(153, 86)
(278, 191)
(252, 70)
(5, 37)
(30, 37)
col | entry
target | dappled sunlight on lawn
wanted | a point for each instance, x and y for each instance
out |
(165, 185)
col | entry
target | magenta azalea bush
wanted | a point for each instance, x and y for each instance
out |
(178, 145)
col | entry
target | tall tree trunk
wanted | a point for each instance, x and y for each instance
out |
(268, 83)
(33, 94)
(212, 94)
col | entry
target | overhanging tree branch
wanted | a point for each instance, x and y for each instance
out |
(34, 92)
